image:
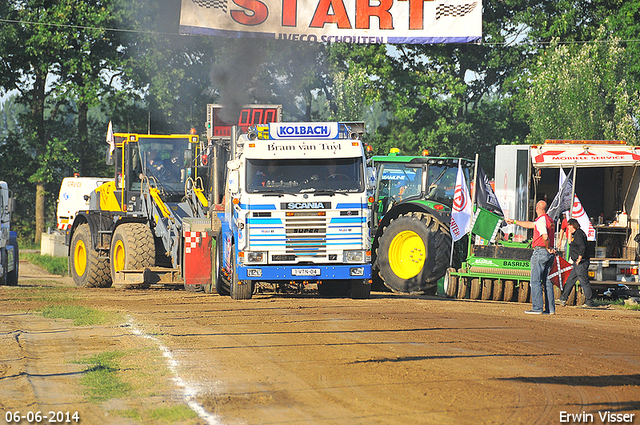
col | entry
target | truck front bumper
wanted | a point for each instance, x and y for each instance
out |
(304, 272)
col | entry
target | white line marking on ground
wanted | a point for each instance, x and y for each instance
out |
(188, 393)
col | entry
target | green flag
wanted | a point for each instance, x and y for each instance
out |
(485, 224)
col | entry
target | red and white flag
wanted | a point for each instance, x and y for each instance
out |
(462, 210)
(578, 212)
(560, 271)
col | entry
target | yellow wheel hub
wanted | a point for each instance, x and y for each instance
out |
(80, 258)
(407, 254)
(118, 256)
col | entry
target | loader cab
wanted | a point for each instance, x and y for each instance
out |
(164, 162)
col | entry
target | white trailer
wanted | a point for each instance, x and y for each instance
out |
(607, 183)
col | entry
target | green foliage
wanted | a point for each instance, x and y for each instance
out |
(581, 92)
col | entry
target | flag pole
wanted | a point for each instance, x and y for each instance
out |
(475, 180)
(573, 190)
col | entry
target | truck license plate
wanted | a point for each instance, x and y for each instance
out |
(305, 272)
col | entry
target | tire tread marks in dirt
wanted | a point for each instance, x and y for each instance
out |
(97, 273)
(437, 240)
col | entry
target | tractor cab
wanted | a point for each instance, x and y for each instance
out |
(415, 178)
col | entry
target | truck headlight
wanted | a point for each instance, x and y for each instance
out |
(257, 257)
(354, 256)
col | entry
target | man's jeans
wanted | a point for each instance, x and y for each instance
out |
(541, 262)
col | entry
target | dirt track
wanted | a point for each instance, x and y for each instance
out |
(303, 359)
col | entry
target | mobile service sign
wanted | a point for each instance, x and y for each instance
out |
(330, 21)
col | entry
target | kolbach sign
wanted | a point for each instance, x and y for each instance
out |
(330, 21)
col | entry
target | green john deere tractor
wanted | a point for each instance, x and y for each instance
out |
(410, 220)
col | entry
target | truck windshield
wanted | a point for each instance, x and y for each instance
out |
(397, 181)
(304, 175)
(162, 161)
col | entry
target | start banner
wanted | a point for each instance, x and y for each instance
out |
(331, 21)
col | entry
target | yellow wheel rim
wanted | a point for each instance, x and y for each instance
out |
(80, 258)
(406, 254)
(118, 256)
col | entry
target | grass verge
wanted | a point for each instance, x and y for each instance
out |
(616, 303)
(101, 379)
(81, 316)
(54, 265)
(178, 413)
(139, 380)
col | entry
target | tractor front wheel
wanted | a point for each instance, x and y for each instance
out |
(413, 252)
(132, 248)
(87, 269)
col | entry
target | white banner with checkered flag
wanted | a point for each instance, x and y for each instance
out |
(336, 21)
(212, 4)
(454, 10)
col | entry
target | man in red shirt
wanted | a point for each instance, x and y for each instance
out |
(541, 260)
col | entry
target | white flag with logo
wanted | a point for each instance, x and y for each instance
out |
(110, 140)
(462, 210)
(579, 213)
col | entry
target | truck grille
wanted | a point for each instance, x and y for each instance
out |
(306, 235)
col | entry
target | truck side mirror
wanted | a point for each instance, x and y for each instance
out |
(234, 181)
(371, 178)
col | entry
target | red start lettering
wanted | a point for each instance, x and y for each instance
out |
(335, 12)
(416, 14)
(322, 15)
(255, 12)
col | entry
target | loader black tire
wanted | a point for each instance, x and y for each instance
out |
(487, 289)
(87, 270)
(450, 283)
(463, 287)
(498, 290)
(223, 286)
(523, 291)
(476, 288)
(4, 260)
(132, 248)
(240, 289)
(12, 277)
(509, 290)
(413, 252)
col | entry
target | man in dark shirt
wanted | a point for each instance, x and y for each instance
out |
(578, 253)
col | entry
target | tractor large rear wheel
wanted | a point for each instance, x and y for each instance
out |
(132, 248)
(414, 252)
(87, 269)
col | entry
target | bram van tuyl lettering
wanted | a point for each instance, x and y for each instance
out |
(322, 146)
(606, 417)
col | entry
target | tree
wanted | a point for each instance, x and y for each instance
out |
(581, 92)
